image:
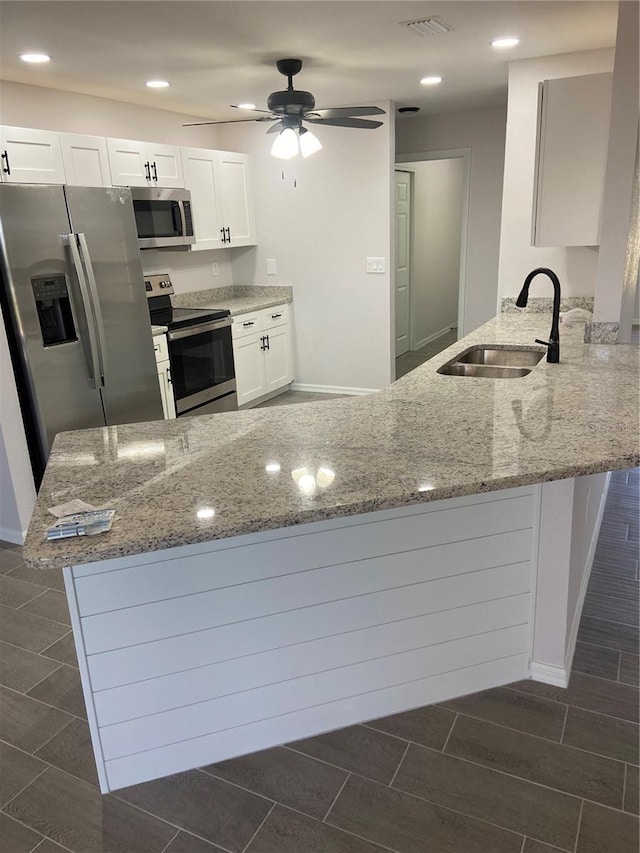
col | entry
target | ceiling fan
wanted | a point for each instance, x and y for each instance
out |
(289, 108)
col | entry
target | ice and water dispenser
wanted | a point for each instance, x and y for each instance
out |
(54, 310)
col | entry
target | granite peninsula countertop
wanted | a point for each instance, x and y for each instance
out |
(425, 437)
(238, 299)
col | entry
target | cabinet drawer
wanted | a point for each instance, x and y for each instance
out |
(276, 316)
(160, 348)
(246, 324)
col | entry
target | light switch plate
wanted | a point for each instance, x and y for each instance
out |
(376, 265)
(271, 266)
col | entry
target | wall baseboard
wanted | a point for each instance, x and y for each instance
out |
(15, 537)
(434, 336)
(573, 634)
(331, 389)
(547, 674)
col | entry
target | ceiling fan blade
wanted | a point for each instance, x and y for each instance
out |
(275, 128)
(232, 121)
(236, 107)
(361, 123)
(347, 112)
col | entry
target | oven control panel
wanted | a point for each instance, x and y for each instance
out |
(158, 285)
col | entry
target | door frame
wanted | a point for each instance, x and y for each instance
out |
(410, 334)
(464, 154)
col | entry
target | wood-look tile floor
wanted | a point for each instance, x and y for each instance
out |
(525, 768)
(414, 358)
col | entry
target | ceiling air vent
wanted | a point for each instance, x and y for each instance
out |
(428, 26)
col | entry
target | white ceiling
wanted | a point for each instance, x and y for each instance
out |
(219, 53)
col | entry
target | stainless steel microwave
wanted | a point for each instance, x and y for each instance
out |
(163, 217)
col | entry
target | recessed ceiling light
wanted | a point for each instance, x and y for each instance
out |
(157, 84)
(35, 57)
(246, 106)
(431, 81)
(510, 41)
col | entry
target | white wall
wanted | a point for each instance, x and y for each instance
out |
(616, 278)
(482, 131)
(438, 195)
(575, 266)
(320, 218)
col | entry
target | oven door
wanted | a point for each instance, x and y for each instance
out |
(202, 368)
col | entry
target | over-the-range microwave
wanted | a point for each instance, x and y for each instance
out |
(163, 217)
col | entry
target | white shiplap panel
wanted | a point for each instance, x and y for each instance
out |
(149, 622)
(198, 685)
(201, 648)
(242, 740)
(250, 706)
(100, 593)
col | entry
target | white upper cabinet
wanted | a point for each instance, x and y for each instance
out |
(201, 177)
(31, 156)
(573, 133)
(86, 163)
(144, 164)
(222, 198)
(236, 195)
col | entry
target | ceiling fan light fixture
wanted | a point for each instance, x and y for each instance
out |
(286, 144)
(309, 142)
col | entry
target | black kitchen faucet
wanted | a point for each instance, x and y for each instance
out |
(553, 344)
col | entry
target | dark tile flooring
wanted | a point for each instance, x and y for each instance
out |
(414, 358)
(526, 768)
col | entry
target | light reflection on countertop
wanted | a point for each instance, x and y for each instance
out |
(426, 437)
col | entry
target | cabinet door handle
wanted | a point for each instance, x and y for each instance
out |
(155, 171)
(6, 169)
(249, 323)
(266, 338)
(276, 316)
(228, 230)
(147, 170)
(224, 235)
(169, 379)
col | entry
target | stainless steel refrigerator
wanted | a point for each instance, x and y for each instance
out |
(75, 308)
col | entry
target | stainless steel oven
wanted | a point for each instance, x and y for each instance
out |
(202, 368)
(200, 352)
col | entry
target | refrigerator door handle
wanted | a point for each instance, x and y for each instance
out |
(70, 241)
(97, 310)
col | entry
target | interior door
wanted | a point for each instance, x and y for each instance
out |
(402, 260)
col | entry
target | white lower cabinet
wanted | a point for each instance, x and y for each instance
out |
(164, 376)
(262, 351)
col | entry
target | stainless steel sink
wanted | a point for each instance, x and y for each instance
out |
(493, 362)
(521, 357)
(484, 370)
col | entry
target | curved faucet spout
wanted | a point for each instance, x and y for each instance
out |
(553, 344)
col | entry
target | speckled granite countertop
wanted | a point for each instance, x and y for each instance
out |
(425, 437)
(239, 299)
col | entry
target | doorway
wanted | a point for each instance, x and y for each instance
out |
(431, 211)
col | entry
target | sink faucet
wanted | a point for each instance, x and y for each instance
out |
(553, 344)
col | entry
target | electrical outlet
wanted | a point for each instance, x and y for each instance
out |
(376, 265)
(216, 269)
(271, 266)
